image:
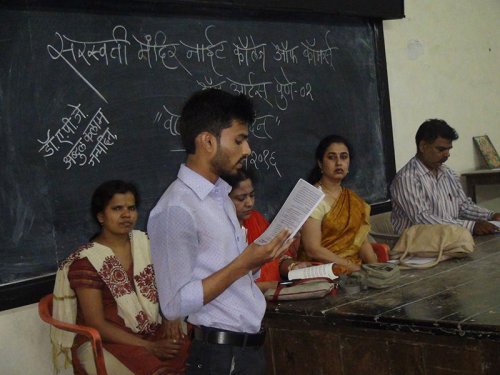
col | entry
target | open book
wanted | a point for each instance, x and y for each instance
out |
(323, 270)
(298, 206)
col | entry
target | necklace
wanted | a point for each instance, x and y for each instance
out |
(334, 193)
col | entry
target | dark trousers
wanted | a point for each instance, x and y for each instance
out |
(214, 359)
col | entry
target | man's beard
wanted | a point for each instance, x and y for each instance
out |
(221, 170)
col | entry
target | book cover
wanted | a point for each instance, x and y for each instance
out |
(488, 151)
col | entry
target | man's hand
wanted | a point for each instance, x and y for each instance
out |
(252, 257)
(483, 227)
(255, 255)
(496, 216)
(172, 329)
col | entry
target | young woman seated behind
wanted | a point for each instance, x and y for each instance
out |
(254, 224)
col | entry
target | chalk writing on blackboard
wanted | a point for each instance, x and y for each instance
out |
(67, 133)
(90, 52)
(285, 54)
(212, 51)
(265, 159)
(247, 51)
(319, 56)
(259, 127)
(251, 89)
(209, 84)
(168, 120)
(156, 48)
(277, 91)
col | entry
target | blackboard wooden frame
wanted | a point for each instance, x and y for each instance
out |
(30, 291)
(387, 9)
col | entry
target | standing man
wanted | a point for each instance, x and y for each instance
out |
(204, 268)
(425, 191)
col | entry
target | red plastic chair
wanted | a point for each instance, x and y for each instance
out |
(45, 312)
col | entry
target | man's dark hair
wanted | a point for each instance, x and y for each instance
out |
(212, 110)
(431, 129)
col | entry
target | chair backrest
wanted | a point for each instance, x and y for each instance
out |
(382, 230)
(45, 312)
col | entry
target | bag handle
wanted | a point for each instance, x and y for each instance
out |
(420, 266)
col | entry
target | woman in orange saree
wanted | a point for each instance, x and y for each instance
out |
(337, 230)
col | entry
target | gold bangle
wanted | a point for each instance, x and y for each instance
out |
(290, 267)
(282, 259)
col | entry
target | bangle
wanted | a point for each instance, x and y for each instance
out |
(283, 258)
(290, 267)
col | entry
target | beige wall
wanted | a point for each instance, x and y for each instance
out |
(443, 61)
(25, 348)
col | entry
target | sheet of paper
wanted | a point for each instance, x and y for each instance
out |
(497, 224)
(323, 270)
(294, 212)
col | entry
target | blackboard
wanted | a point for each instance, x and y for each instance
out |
(89, 97)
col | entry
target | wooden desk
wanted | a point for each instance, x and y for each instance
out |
(444, 320)
(480, 177)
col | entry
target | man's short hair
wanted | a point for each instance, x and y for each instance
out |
(431, 129)
(212, 110)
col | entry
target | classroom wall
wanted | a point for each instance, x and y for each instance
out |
(442, 62)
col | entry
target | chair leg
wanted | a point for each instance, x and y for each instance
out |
(77, 366)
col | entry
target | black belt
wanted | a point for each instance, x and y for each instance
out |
(221, 337)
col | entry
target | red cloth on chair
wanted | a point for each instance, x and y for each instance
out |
(382, 251)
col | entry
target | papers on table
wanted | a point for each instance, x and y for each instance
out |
(298, 206)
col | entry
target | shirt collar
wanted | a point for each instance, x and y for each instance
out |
(426, 171)
(199, 184)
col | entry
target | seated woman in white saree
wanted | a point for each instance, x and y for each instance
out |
(109, 284)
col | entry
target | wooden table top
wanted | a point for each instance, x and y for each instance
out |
(456, 297)
(481, 171)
